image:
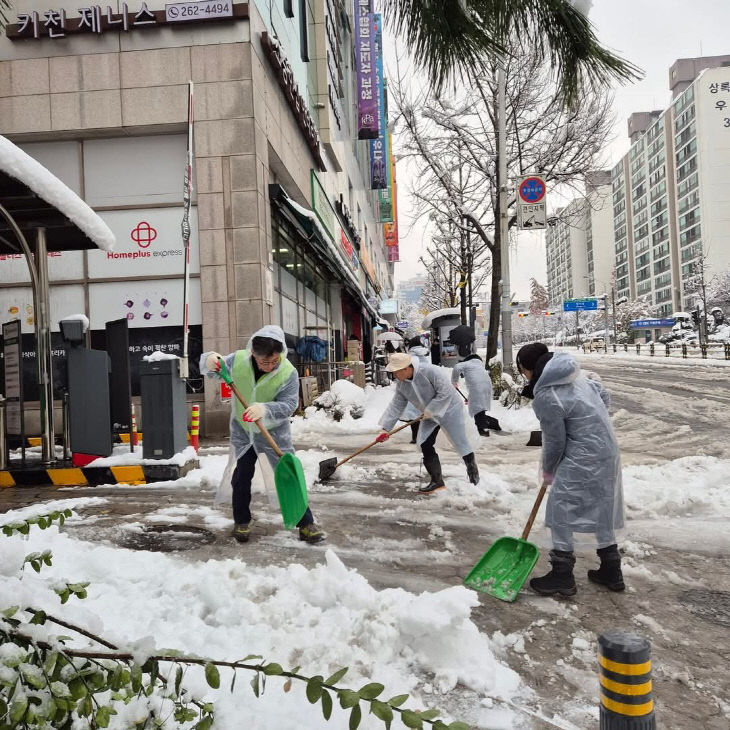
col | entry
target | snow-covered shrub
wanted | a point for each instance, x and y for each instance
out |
(344, 397)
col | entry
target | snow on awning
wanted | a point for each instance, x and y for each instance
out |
(36, 198)
(450, 312)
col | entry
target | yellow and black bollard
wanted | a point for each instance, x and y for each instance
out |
(624, 670)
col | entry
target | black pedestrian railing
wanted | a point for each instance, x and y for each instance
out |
(705, 351)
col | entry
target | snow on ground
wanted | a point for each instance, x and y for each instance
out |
(316, 422)
(322, 619)
(122, 456)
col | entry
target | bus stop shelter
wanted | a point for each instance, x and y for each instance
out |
(39, 214)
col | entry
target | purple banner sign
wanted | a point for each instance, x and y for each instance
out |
(368, 124)
(379, 177)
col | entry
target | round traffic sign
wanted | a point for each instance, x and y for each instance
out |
(532, 189)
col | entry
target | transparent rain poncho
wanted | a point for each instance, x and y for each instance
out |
(579, 449)
(478, 383)
(278, 413)
(430, 390)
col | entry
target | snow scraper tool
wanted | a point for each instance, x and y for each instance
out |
(291, 486)
(505, 567)
(328, 467)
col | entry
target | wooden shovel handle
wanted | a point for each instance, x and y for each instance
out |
(260, 425)
(372, 443)
(535, 509)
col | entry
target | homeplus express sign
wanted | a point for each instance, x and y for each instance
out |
(148, 243)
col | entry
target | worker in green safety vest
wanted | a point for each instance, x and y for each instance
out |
(269, 383)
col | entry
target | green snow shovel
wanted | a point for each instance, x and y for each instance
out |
(505, 567)
(291, 486)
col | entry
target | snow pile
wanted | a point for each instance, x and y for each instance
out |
(122, 456)
(77, 318)
(322, 619)
(317, 421)
(158, 355)
(21, 166)
(343, 393)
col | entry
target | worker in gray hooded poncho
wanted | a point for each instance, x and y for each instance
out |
(269, 383)
(428, 389)
(580, 458)
(479, 384)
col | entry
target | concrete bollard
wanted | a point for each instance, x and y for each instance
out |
(195, 428)
(624, 670)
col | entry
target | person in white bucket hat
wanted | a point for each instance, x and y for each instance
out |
(427, 387)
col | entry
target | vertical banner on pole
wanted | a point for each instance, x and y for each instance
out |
(367, 101)
(379, 168)
(187, 195)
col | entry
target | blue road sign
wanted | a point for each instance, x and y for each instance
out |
(579, 305)
(532, 189)
(640, 324)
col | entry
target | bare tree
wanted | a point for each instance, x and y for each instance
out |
(452, 140)
(457, 266)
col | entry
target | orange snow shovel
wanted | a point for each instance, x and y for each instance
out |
(505, 567)
(291, 486)
(328, 467)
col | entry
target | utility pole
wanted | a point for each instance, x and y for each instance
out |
(605, 320)
(503, 221)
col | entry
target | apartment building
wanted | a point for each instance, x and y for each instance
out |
(670, 192)
(579, 243)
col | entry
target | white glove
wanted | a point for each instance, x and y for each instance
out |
(211, 362)
(255, 412)
(427, 414)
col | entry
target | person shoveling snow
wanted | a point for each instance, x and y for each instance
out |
(427, 388)
(269, 383)
(472, 369)
(581, 460)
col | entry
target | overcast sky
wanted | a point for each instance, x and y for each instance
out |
(650, 33)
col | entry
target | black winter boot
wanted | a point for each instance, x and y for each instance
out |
(472, 469)
(609, 574)
(433, 466)
(560, 579)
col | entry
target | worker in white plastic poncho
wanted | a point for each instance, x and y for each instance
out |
(427, 388)
(581, 459)
(415, 349)
(269, 383)
(479, 384)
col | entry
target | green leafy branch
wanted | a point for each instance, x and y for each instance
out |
(22, 527)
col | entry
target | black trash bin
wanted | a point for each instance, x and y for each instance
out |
(164, 409)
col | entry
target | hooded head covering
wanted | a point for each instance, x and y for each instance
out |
(272, 331)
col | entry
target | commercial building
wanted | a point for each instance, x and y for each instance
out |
(579, 244)
(409, 291)
(285, 226)
(671, 198)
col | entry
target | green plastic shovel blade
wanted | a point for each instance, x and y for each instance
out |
(504, 568)
(291, 489)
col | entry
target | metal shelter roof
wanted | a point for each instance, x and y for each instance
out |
(35, 198)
